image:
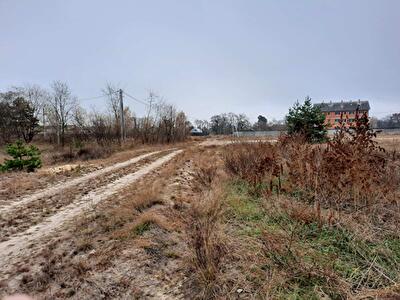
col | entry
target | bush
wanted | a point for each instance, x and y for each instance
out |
(351, 171)
(24, 157)
(91, 151)
(256, 163)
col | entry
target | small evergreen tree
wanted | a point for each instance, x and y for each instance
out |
(307, 120)
(23, 157)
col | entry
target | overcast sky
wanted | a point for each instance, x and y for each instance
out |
(208, 57)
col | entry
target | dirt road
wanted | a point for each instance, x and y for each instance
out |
(19, 244)
(62, 186)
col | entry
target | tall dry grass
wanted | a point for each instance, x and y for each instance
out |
(206, 244)
(351, 174)
(256, 163)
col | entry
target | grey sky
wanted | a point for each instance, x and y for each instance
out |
(208, 57)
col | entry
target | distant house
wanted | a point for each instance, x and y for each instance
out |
(346, 110)
(196, 132)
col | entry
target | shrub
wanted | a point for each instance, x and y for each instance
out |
(24, 157)
(88, 152)
(350, 171)
(256, 163)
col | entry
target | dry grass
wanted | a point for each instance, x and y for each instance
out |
(87, 152)
(256, 163)
(351, 172)
(204, 175)
(147, 198)
(269, 229)
(391, 142)
(206, 244)
(142, 223)
(322, 224)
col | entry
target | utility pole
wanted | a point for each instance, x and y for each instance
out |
(122, 118)
(44, 124)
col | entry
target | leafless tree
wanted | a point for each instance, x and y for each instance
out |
(111, 92)
(60, 106)
(35, 95)
(101, 128)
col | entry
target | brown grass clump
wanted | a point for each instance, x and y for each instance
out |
(143, 223)
(206, 244)
(256, 163)
(147, 198)
(204, 176)
(309, 248)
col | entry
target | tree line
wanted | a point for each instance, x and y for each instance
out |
(389, 122)
(228, 123)
(56, 114)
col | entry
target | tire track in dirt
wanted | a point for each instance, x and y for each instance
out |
(48, 192)
(23, 217)
(18, 246)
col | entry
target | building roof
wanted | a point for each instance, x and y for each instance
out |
(196, 130)
(343, 106)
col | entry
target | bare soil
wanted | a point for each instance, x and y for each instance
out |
(87, 250)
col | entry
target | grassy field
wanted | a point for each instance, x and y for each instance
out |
(224, 219)
(297, 221)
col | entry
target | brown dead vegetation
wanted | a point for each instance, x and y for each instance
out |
(256, 163)
(304, 221)
(206, 244)
(138, 233)
(248, 220)
(350, 174)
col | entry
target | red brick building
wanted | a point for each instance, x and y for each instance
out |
(333, 111)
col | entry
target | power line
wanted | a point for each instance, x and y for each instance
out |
(137, 100)
(97, 97)
(92, 98)
(116, 92)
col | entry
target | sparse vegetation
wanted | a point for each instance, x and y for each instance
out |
(322, 224)
(256, 163)
(206, 242)
(244, 220)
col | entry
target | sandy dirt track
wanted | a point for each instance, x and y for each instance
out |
(18, 246)
(61, 186)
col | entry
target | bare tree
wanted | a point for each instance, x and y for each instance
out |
(35, 95)
(111, 92)
(203, 125)
(182, 126)
(101, 128)
(60, 105)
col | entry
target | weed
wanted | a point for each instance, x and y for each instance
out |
(206, 242)
(204, 175)
(255, 163)
(144, 222)
(147, 198)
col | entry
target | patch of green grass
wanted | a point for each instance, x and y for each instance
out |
(359, 262)
(141, 228)
(336, 250)
(242, 206)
